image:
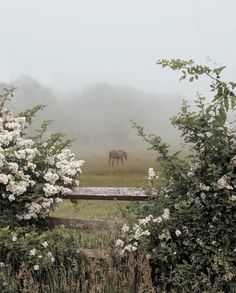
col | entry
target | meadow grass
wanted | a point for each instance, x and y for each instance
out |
(97, 173)
(110, 273)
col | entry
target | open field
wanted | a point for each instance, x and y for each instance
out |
(96, 172)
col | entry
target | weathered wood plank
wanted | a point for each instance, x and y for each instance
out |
(51, 222)
(109, 193)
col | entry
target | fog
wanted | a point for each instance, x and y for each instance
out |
(98, 117)
(93, 63)
(70, 44)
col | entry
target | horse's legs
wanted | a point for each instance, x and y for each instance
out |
(113, 161)
(121, 160)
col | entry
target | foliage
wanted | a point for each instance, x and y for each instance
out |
(34, 172)
(192, 249)
(27, 251)
(53, 261)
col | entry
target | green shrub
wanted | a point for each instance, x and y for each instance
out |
(190, 226)
(52, 261)
(34, 172)
(29, 254)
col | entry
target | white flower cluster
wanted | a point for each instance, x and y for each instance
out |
(230, 133)
(131, 236)
(204, 187)
(222, 183)
(229, 128)
(152, 174)
(34, 253)
(23, 170)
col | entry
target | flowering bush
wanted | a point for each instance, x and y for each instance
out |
(189, 228)
(29, 256)
(34, 173)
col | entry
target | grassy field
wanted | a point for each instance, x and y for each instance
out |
(96, 172)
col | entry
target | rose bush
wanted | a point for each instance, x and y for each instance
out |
(35, 173)
(189, 228)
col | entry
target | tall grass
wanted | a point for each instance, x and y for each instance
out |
(104, 270)
(112, 274)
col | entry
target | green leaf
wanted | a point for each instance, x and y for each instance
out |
(222, 116)
(226, 103)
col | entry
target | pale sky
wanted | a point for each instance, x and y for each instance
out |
(69, 44)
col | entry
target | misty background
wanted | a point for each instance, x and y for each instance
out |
(97, 118)
(93, 63)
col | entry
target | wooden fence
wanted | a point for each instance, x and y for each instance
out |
(99, 193)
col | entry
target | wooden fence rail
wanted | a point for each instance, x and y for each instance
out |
(98, 193)
(109, 193)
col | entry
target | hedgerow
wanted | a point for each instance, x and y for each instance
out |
(189, 229)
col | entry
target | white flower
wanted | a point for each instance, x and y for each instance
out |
(36, 267)
(2, 159)
(67, 180)
(32, 252)
(49, 254)
(134, 248)
(157, 220)
(125, 228)
(151, 174)
(65, 191)
(45, 244)
(33, 209)
(58, 200)
(24, 143)
(203, 195)
(47, 202)
(145, 220)
(3, 179)
(50, 160)
(204, 187)
(146, 233)
(14, 238)
(222, 183)
(178, 233)
(2, 264)
(51, 177)
(165, 235)
(138, 232)
(50, 189)
(233, 197)
(130, 247)
(11, 197)
(228, 126)
(119, 242)
(13, 167)
(17, 187)
(166, 214)
(52, 259)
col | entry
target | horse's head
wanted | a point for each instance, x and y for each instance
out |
(125, 155)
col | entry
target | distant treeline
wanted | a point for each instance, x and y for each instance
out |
(98, 117)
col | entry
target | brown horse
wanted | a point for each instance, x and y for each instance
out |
(117, 155)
